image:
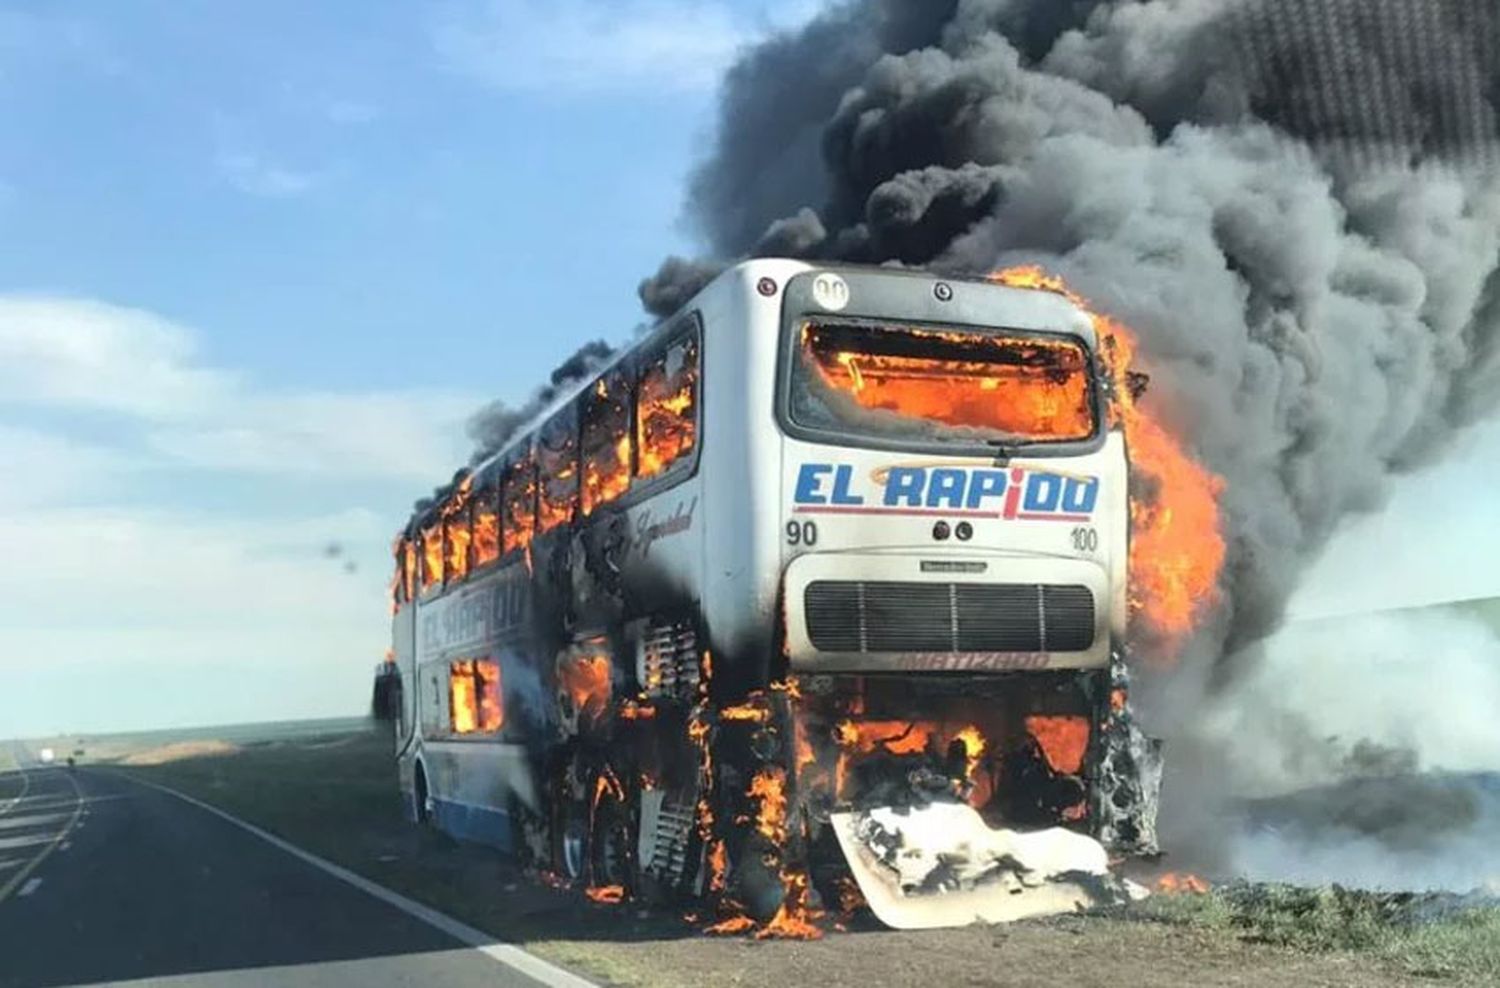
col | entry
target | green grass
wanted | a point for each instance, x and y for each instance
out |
(1463, 946)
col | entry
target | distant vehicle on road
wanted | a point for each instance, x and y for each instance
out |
(46, 756)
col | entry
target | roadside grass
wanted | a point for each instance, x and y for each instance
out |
(1462, 945)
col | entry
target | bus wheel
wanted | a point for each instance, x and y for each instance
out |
(570, 833)
(612, 851)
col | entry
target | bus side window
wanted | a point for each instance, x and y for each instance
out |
(605, 443)
(409, 568)
(456, 537)
(518, 494)
(474, 697)
(398, 582)
(557, 466)
(487, 520)
(432, 555)
(666, 414)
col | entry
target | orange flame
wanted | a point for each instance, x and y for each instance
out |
(486, 529)
(606, 448)
(1063, 740)
(1175, 883)
(718, 867)
(747, 712)
(1033, 389)
(519, 497)
(793, 920)
(666, 417)
(769, 787)
(730, 926)
(474, 699)
(606, 893)
(1176, 548)
(586, 681)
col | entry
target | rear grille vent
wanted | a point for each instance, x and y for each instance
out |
(855, 616)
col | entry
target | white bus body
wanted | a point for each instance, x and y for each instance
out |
(800, 574)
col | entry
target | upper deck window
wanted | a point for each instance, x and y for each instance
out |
(518, 496)
(557, 467)
(945, 386)
(486, 513)
(667, 407)
(432, 555)
(457, 536)
(606, 441)
(408, 569)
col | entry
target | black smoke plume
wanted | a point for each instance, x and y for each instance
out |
(1295, 203)
(497, 423)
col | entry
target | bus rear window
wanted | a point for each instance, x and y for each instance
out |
(948, 386)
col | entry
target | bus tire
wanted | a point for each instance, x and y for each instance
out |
(612, 844)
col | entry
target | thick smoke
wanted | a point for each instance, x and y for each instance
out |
(496, 423)
(1295, 203)
(1360, 750)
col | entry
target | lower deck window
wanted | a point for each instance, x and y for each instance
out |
(474, 698)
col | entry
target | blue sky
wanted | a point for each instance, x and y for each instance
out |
(259, 261)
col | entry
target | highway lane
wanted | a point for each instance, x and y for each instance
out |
(112, 880)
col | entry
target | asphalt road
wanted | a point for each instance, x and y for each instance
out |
(104, 879)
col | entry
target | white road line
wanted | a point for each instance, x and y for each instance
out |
(29, 887)
(21, 876)
(511, 956)
(25, 788)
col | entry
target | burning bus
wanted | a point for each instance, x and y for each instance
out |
(814, 595)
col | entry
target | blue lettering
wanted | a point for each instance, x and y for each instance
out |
(903, 485)
(946, 486)
(983, 484)
(1043, 491)
(810, 482)
(841, 478)
(1080, 496)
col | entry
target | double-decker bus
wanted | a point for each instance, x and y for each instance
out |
(826, 540)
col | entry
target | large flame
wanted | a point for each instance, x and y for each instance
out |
(666, 417)
(1031, 389)
(1176, 547)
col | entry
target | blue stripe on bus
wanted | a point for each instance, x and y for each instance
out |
(475, 823)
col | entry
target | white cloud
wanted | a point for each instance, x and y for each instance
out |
(590, 45)
(82, 355)
(165, 519)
